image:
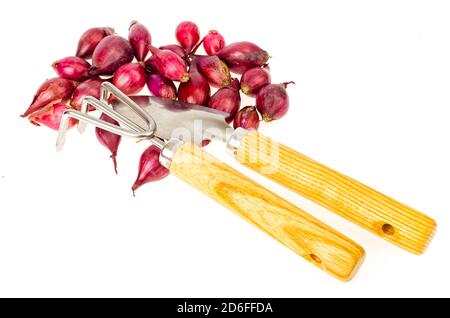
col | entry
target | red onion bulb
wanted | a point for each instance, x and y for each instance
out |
(215, 70)
(90, 87)
(150, 169)
(272, 101)
(254, 79)
(247, 118)
(213, 42)
(72, 67)
(52, 91)
(111, 53)
(196, 90)
(170, 65)
(90, 39)
(242, 56)
(140, 39)
(108, 139)
(187, 35)
(51, 116)
(161, 87)
(130, 78)
(227, 99)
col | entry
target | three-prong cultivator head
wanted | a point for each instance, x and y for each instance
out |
(126, 128)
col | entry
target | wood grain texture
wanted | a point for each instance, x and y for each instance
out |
(308, 237)
(356, 202)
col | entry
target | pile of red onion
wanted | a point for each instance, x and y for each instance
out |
(174, 71)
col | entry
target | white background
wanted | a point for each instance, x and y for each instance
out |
(372, 100)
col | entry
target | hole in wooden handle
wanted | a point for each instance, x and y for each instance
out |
(388, 229)
(315, 258)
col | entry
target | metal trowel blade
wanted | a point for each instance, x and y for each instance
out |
(174, 119)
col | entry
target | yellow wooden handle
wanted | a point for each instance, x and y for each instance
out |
(391, 220)
(308, 237)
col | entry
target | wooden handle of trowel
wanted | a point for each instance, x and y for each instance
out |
(389, 219)
(308, 237)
